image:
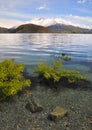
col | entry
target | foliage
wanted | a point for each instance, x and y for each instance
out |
(11, 78)
(66, 58)
(56, 73)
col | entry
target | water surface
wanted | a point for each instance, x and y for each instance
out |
(30, 49)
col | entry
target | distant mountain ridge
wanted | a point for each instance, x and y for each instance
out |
(3, 30)
(46, 26)
(61, 28)
(59, 25)
(26, 28)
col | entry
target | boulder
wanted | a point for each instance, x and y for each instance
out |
(58, 113)
(34, 105)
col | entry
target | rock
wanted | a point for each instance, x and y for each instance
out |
(50, 124)
(66, 124)
(58, 113)
(63, 54)
(29, 120)
(90, 121)
(34, 105)
(29, 93)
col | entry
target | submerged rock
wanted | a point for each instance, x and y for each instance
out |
(66, 58)
(63, 54)
(58, 113)
(34, 105)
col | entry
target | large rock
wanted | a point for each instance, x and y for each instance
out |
(58, 113)
(34, 105)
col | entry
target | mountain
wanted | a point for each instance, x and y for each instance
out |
(60, 25)
(53, 21)
(31, 28)
(61, 28)
(47, 25)
(3, 30)
(90, 31)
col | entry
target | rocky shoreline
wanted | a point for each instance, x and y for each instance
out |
(15, 114)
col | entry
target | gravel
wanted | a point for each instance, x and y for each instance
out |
(15, 116)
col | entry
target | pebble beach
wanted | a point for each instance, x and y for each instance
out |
(15, 116)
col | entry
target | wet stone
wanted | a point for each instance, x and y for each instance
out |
(34, 105)
(58, 113)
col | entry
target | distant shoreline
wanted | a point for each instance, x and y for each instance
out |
(32, 28)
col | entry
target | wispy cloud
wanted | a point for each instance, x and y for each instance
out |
(21, 8)
(85, 22)
(43, 7)
(8, 23)
(15, 15)
(83, 1)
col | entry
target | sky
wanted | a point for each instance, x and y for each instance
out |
(14, 12)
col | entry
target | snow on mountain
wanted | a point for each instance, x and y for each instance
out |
(52, 21)
(43, 22)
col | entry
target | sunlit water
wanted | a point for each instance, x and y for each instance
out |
(30, 49)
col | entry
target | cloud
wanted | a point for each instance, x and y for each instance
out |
(14, 14)
(43, 7)
(21, 8)
(85, 22)
(21, 4)
(83, 1)
(8, 23)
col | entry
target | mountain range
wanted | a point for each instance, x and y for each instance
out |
(41, 25)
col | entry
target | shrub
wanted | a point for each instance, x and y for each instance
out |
(55, 72)
(66, 58)
(11, 78)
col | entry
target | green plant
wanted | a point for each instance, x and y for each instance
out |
(66, 58)
(11, 78)
(55, 72)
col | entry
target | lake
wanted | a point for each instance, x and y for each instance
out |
(30, 49)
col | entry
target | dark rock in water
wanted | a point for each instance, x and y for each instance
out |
(65, 57)
(58, 113)
(34, 105)
(63, 54)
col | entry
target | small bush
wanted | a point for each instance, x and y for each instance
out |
(66, 58)
(11, 78)
(55, 73)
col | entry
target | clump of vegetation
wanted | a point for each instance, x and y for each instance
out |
(56, 73)
(11, 78)
(66, 58)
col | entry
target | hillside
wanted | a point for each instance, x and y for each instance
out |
(52, 28)
(31, 28)
(3, 30)
(61, 26)
(68, 29)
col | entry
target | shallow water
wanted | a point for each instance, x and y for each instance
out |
(30, 49)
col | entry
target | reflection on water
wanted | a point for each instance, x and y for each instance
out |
(30, 49)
